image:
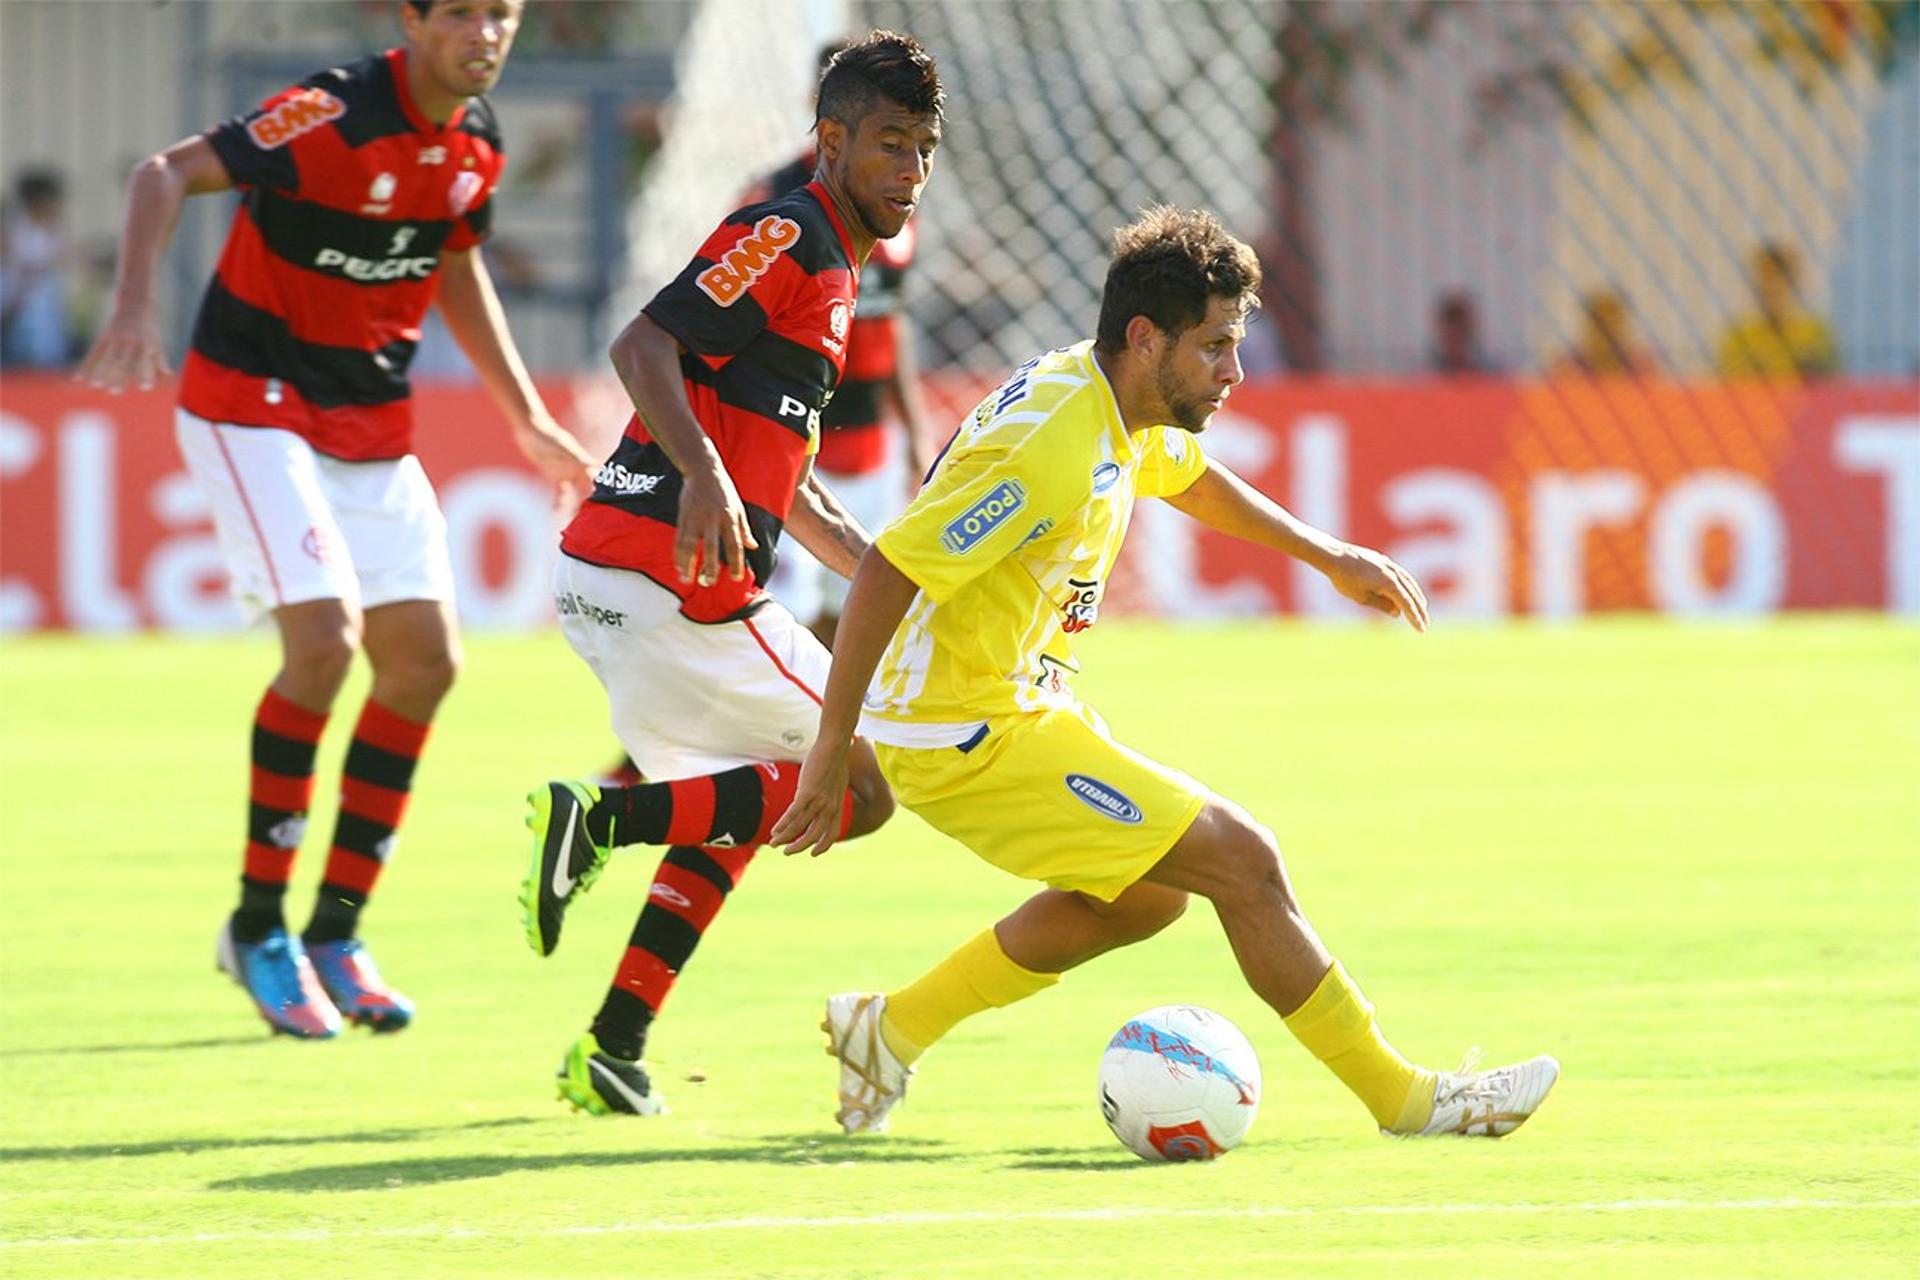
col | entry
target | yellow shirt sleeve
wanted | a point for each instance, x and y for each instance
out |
(1170, 461)
(976, 511)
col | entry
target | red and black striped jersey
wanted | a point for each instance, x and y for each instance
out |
(763, 310)
(853, 430)
(349, 197)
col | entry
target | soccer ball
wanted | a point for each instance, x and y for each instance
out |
(1179, 1083)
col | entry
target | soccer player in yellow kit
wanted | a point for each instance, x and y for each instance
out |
(958, 631)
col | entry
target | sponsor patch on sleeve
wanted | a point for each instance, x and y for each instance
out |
(727, 280)
(302, 113)
(971, 527)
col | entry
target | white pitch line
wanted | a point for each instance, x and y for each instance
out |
(1117, 1214)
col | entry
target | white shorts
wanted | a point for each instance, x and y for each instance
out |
(689, 698)
(873, 497)
(296, 525)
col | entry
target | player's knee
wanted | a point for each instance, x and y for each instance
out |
(428, 676)
(873, 804)
(1248, 859)
(414, 681)
(1143, 910)
(1157, 912)
(320, 656)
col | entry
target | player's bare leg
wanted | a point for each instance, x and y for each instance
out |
(1234, 862)
(318, 639)
(1057, 930)
(414, 649)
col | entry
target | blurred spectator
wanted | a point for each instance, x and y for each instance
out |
(1606, 344)
(1781, 338)
(33, 273)
(1456, 336)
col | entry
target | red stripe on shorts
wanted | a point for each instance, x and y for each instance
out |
(798, 683)
(247, 506)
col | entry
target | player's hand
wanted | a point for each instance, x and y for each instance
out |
(813, 819)
(1369, 578)
(712, 535)
(557, 456)
(127, 352)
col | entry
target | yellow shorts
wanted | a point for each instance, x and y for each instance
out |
(1050, 797)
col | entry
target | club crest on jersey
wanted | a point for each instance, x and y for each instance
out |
(466, 185)
(1105, 476)
(749, 259)
(380, 194)
(971, 527)
(302, 113)
(839, 321)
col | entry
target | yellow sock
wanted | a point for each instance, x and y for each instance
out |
(977, 977)
(1336, 1025)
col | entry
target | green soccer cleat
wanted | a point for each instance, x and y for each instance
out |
(566, 861)
(599, 1083)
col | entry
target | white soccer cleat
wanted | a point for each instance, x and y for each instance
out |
(1488, 1104)
(872, 1080)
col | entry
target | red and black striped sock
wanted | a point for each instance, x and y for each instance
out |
(373, 798)
(285, 737)
(735, 808)
(688, 891)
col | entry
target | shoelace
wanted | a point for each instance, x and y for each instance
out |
(868, 1068)
(1471, 1087)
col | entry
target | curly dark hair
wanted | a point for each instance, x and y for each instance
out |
(1167, 265)
(885, 67)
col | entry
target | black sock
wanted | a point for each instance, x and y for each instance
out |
(734, 807)
(688, 891)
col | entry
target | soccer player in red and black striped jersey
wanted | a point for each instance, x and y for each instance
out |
(714, 686)
(366, 191)
(859, 459)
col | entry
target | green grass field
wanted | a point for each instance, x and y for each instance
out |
(1684, 860)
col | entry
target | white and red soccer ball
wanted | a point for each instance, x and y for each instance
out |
(1179, 1083)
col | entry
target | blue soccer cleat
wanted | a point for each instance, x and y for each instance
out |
(353, 982)
(276, 972)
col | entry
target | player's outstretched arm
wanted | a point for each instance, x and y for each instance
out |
(828, 531)
(878, 599)
(712, 534)
(1221, 500)
(479, 324)
(128, 348)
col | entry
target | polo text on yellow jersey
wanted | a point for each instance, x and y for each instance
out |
(1012, 542)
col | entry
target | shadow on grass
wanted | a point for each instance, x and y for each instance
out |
(192, 1146)
(782, 1149)
(1101, 1159)
(164, 1046)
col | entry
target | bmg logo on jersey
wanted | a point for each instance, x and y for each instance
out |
(302, 113)
(971, 527)
(749, 259)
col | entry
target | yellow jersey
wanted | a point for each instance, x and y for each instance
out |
(1011, 543)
